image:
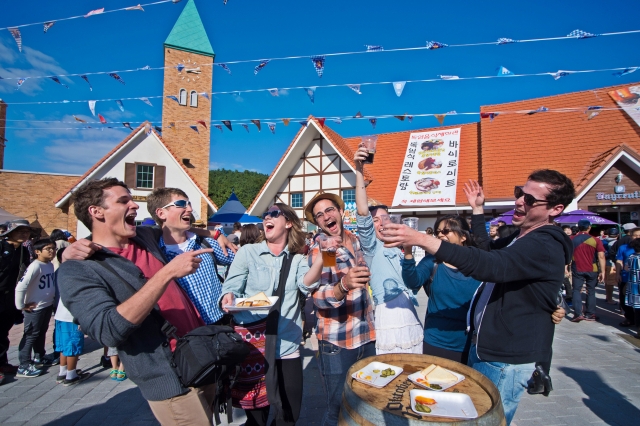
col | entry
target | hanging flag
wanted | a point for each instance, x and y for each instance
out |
(146, 101)
(15, 32)
(449, 77)
(57, 80)
(79, 119)
(228, 124)
(311, 91)
(274, 92)
(148, 129)
(358, 115)
(219, 127)
(157, 128)
(490, 115)
(85, 78)
(410, 118)
(355, 88)
(625, 71)
(102, 120)
(373, 122)
(440, 118)
(205, 95)
(195, 129)
(506, 40)
(374, 48)
(246, 127)
(398, 86)
(304, 123)
(318, 64)
(272, 127)
(257, 123)
(92, 107)
(433, 45)
(321, 121)
(127, 125)
(145, 68)
(400, 117)
(581, 34)
(541, 109)
(560, 74)
(138, 7)
(120, 105)
(173, 98)
(48, 25)
(502, 72)
(224, 67)
(286, 121)
(180, 67)
(452, 113)
(202, 122)
(592, 111)
(337, 121)
(263, 63)
(117, 77)
(94, 12)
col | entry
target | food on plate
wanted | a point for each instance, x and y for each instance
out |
(432, 144)
(435, 373)
(424, 400)
(361, 375)
(257, 300)
(429, 163)
(435, 386)
(376, 371)
(387, 372)
(426, 184)
(422, 408)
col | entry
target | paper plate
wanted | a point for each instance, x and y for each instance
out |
(448, 404)
(415, 376)
(371, 378)
(234, 308)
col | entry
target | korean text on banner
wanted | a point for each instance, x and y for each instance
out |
(430, 169)
(628, 98)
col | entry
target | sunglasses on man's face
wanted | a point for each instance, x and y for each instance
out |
(443, 231)
(272, 213)
(181, 204)
(529, 199)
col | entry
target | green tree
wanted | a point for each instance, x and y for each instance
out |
(245, 184)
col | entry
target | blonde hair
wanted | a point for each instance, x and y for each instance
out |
(296, 236)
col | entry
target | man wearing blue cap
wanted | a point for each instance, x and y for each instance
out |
(588, 269)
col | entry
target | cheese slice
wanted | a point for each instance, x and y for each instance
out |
(440, 375)
(428, 370)
(259, 297)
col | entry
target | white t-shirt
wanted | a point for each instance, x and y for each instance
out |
(38, 285)
(180, 248)
(62, 313)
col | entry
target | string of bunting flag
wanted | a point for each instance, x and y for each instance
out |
(318, 61)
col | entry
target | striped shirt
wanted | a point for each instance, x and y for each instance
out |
(347, 323)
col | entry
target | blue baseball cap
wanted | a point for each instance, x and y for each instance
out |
(584, 223)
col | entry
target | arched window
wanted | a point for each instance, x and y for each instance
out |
(183, 97)
(194, 99)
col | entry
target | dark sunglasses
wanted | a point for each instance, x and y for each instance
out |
(182, 204)
(529, 199)
(272, 213)
(443, 231)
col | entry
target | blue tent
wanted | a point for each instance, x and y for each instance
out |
(233, 211)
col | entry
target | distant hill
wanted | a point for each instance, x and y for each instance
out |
(246, 185)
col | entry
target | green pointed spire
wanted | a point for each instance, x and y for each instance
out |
(188, 33)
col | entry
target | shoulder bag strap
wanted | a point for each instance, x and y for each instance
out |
(427, 285)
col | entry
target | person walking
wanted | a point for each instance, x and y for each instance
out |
(587, 269)
(632, 294)
(622, 255)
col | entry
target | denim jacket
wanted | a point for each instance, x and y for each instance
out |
(385, 265)
(256, 269)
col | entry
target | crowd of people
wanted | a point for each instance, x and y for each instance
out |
(494, 297)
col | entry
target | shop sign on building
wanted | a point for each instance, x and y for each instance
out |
(429, 172)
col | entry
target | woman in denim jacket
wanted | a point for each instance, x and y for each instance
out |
(256, 269)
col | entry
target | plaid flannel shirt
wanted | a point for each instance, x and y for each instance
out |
(203, 286)
(347, 323)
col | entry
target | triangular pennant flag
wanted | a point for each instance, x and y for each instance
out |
(502, 72)
(257, 123)
(120, 105)
(410, 118)
(560, 74)
(85, 78)
(57, 80)
(145, 68)
(398, 86)
(373, 122)
(286, 121)
(337, 121)
(228, 124)
(246, 127)
(321, 121)
(148, 129)
(401, 117)
(311, 91)
(127, 125)
(94, 12)
(374, 48)
(48, 25)
(449, 77)
(195, 128)
(219, 127)
(79, 119)
(15, 32)
(304, 123)
(102, 119)
(146, 101)
(581, 34)
(263, 63)
(157, 128)
(625, 71)
(180, 67)
(117, 77)
(452, 113)
(541, 109)
(92, 107)
(205, 95)
(592, 111)
(274, 92)
(318, 64)
(440, 118)
(202, 122)
(355, 88)
(506, 40)
(138, 7)
(224, 67)
(358, 115)
(173, 98)
(433, 45)
(490, 115)
(272, 127)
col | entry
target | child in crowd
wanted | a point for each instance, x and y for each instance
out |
(117, 373)
(34, 296)
(69, 341)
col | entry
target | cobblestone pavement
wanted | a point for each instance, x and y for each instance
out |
(595, 372)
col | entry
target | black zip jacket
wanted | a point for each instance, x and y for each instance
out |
(517, 326)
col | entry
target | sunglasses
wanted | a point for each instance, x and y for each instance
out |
(328, 210)
(443, 231)
(182, 204)
(272, 213)
(529, 199)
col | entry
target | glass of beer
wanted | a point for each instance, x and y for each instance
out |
(329, 248)
(370, 144)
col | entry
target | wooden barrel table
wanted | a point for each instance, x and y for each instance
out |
(391, 405)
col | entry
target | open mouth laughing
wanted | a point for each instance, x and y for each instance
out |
(130, 219)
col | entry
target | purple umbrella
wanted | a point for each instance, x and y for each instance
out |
(576, 215)
(505, 217)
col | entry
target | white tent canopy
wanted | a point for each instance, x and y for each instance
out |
(5, 216)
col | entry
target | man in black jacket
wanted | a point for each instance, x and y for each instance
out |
(510, 313)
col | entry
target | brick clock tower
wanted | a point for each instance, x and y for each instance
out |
(188, 58)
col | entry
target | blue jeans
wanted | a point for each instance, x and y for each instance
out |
(334, 362)
(510, 379)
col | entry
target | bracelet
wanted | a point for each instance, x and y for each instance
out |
(344, 289)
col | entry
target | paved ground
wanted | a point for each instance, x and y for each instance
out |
(595, 372)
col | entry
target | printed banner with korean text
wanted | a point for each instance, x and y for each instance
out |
(430, 169)
(629, 99)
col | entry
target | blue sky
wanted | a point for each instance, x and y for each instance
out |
(254, 29)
